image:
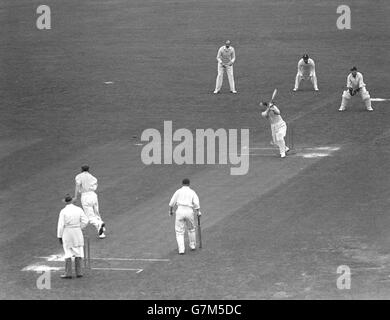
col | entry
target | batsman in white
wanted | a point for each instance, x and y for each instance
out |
(70, 222)
(306, 71)
(226, 57)
(187, 203)
(278, 126)
(355, 84)
(86, 184)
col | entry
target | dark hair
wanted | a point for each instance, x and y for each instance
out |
(186, 182)
(85, 168)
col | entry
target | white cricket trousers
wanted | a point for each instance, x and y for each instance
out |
(299, 77)
(89, 201)
(229, 71)
(279, 131)
(185, 216)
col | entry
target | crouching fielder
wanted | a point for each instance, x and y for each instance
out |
(278, 127)
(187, 203)
(306, 71)
(70, 222)
(355, 84)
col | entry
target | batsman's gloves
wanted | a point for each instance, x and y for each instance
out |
(60, 240)
(352, 92)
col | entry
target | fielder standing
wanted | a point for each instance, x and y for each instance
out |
(306, 71)
(187, 203)
(278, 127)
(70, 222)
(355, 84)
(86, 184)
(226, 57)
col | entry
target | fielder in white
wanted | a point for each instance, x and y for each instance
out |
(187, 203)
(278, 127)
(70, 222)
(226, 57)
(306, 71)
(86, 184)
(355, 84)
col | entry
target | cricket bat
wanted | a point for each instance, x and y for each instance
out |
(273, 95)
(199, 232)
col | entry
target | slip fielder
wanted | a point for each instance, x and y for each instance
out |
(86, 184)
(187, 203)
(226, 57)
(278, 126)
(355, 84)
(306, 71)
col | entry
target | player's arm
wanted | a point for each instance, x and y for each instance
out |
(233, 57)
(76, 190)
(60, 227)
(219, 56)
(274, 109)
(196, 205)
(172, 203)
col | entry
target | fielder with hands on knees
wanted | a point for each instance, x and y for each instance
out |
(187, 202)
(226, 57)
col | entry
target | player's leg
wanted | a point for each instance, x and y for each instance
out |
(191, 230)
(313, 79)
(344, 100)
(218, 82)
(79, 254)
(88, 207)
(229, 71)
(68, 260)
(179, 229)
(102, 225)
(366, 98)
(280, 134)
(298, 79)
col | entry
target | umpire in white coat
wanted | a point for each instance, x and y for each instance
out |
(71, 221)
(187, 203)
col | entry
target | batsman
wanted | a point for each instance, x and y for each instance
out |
(187, 202)
(278, 125)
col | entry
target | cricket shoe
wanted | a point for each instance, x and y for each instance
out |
(287, 149)
(102, 236)
(216, 91)
(283, 155)
(233, 91)
(295, 89)
(370, 109)
(342, 109)
(316, 89)
(64, 276)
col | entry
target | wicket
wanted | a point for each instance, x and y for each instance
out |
(87, 253)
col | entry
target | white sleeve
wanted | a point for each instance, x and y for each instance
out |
(361, 82)
(219, 55)
(349, 84)
(233, 55)
(195, 201)
(60, 225)
(174, 199)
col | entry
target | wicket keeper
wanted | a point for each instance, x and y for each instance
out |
(355, 84)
